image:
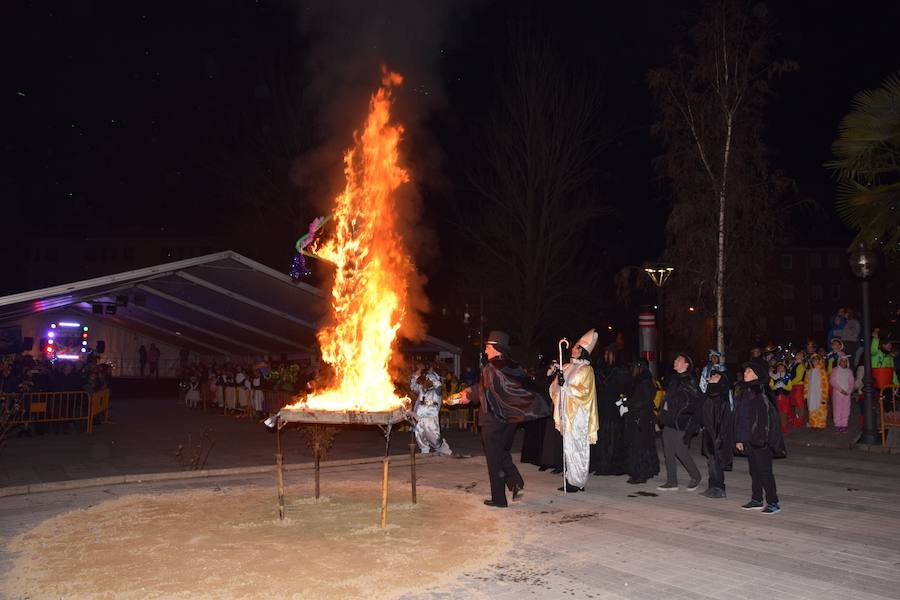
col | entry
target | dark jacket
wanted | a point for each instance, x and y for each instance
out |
(682, 404)
(756, 420)
(507, 394)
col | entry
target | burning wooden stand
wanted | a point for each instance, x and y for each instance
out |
(385, 421)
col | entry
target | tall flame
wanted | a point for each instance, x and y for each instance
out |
(372, 269)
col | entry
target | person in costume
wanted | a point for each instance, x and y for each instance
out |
(713, 364)
(506, 398)
(575, 411)
(817, 393)
(758, 436)
(717, 436)
(841, 381)
(780, 385)
(797, 372)
(837, 348)
(640, 425)
(680, 418)
(613, 381)
(426, 385)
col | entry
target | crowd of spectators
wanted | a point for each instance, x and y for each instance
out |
(25, 373)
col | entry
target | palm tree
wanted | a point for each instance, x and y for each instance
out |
(867, 166)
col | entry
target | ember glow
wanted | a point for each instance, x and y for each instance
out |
(372, 268)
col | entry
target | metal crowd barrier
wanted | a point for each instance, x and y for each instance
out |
(56, 407)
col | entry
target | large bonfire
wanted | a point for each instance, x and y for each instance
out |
(372, 269)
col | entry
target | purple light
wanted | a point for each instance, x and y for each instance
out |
(68, 356)
(69, 324)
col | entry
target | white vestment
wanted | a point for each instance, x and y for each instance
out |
(577, 420)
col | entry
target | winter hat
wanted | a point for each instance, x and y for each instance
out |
(758, 368)
(715, 353)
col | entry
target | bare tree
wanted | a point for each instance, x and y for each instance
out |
(537, 160)
(711, 101)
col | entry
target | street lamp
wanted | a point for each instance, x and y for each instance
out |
(659, 274)
(863, 262)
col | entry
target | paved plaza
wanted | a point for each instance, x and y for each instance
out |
(838, 535)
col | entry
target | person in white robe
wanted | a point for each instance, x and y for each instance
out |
(574, 395)
(426, 385)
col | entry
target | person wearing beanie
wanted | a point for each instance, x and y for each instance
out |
(717, 436)
(640, 421)
(680, 417)
(842, 381)
(817, 393)
(506, 397)
(758, 436)
(575, 411)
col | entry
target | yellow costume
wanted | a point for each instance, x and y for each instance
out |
(817, 395)
(579, 422)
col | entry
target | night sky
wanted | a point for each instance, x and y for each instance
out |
(132, 117)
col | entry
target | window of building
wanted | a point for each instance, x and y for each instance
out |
(834, 261)
(789, 324)
(787, 261)
(815, 261)
(835, 291)
(815, 291)
(818, 322)
(787, 292)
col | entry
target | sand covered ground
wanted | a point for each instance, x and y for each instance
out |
(228, 543)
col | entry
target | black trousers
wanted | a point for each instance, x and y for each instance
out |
(716, 474)
(761, 475)
(497, 440)
(674, 449)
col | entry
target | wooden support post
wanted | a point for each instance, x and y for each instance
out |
(412, 469)
(384, 493)
(279, 467)
(317, 474)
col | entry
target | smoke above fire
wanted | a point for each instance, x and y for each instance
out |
(347, 44)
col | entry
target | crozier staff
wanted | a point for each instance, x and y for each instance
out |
(506, 396)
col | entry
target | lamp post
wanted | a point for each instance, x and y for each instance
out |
(660, 274)
(863, 262)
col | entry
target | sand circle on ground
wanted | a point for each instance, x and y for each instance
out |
(228, 543)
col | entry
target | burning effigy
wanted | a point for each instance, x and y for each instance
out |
(372, 268)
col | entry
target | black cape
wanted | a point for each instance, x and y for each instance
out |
(640, 429)
(507, 394)
(608, 454)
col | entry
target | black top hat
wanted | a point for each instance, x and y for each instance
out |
(498, 338)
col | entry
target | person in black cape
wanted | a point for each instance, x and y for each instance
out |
(608, 455)
(717, 437)
(640, 425)
(507, 397)
(534, 433)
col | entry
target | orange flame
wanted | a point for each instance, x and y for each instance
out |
(371, 268)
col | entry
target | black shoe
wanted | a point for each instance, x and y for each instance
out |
(557, 471)
(693, 484)
(753, 505)
(543, 468)
(667, 487)
(714, 493)
(571, 489)
(517, 493)
(491, 503)
(634, 481)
